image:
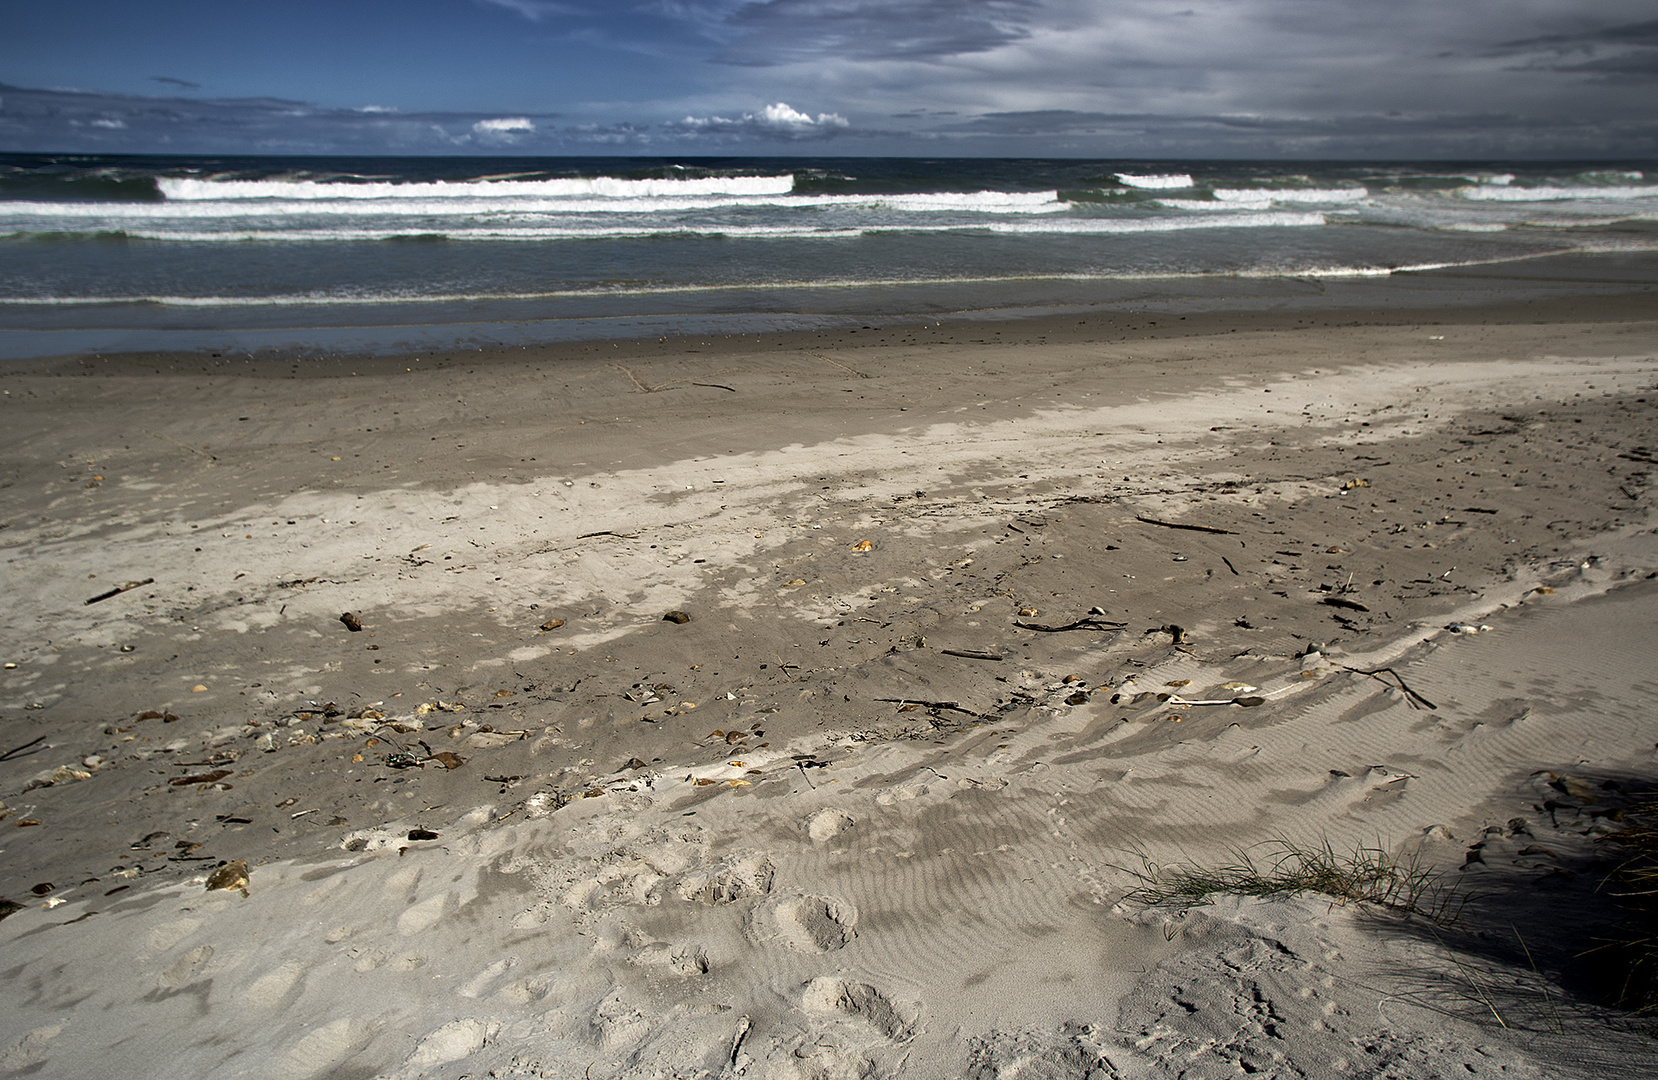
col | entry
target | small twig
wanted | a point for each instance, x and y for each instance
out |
(1230, 567)
(743, 1025)
(716, 386)
(1179, 525)
(1087, 622)
(950, 705)
(19, 749)
(843, 367)
(608, 532)
(971, 654)
(119, 589)
(632, 378)
(1410, 695)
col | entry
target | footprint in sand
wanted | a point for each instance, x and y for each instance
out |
(617, 1023)
(480, 984)
(805, 923)
(831, 996)
(684, 959)
(165, 936)
(738, 878)
(419, 917)
(322, 1051)
(827, 824)
(270, 989)
(452, 1042)
(180, 971)
(29, 1052)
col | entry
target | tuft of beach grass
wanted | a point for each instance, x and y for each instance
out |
(1634, 884)
(1366, 875)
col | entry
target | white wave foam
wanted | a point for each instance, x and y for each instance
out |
(1292, 195)
(522, 232)
(1508, 193)
(182, 190)
(978, 202)
(1166, 182)
(1212, 206)
(1107, 226)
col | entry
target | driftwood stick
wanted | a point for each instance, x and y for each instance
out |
(971, 654)
(950, 705)
(1085, 623)
(20, 749)
(119, 589)
(1410, 695)
(1180, 525)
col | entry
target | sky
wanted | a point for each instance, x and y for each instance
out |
(1149, 79)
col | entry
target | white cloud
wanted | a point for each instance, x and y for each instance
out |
(533, 10)
(113, 125)
(777, 121)
(506, 126)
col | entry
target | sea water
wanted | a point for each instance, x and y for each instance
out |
(386, 253)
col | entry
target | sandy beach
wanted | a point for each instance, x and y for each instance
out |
(976, 627)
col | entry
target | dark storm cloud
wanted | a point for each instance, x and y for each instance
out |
(1624, 53)
(782, 31)
(1442, 135)
(1641, 33)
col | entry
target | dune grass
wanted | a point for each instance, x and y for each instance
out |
(1634, 884)
(1366, 875)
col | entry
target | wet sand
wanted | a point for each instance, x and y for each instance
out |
(876, 807)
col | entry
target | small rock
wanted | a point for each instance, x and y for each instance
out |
(679, 617)
(552, 624)
(422, 834)
(230, 876)
(351, 621)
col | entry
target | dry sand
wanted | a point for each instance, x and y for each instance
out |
(868, 813)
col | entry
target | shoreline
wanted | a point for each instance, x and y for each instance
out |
(820, 805)
(1599, 286)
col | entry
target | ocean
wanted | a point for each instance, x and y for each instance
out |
(389, 254)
